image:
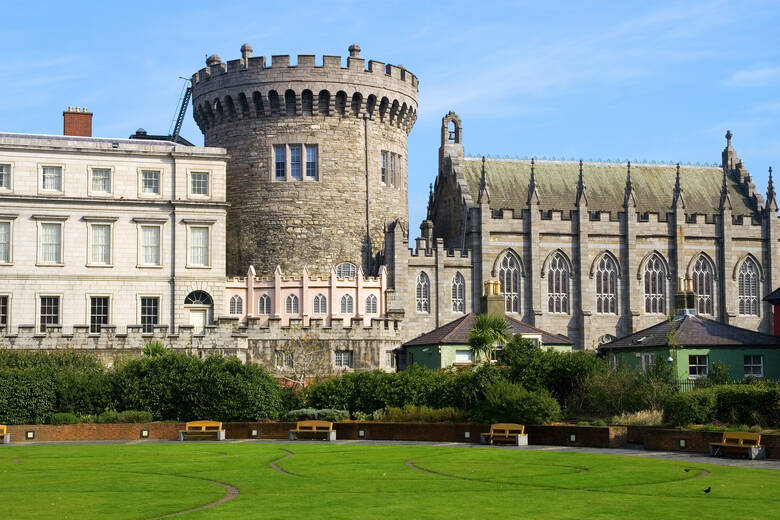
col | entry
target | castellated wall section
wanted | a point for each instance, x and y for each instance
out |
(350, 116)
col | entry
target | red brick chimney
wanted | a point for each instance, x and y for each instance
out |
(77, 122)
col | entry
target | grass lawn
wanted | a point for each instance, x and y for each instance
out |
(358, 482)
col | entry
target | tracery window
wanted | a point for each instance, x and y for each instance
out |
(236, 305)
(291, 304)
(347, 304)
(264, 304)
(558, 285)
(346, 270)
(423, 293)
(509, 276)
(458, 293)
(702, 285)
(748, 288)
(320, 304)
(655, 286)
(371, 304)
(606, 286)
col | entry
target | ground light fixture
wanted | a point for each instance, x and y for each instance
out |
(145, 433)
(362, 434)
(30, 435)
(683, 444)
(572, 437)
(467, 435)
(253, 433)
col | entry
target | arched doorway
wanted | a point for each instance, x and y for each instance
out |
(200, 307)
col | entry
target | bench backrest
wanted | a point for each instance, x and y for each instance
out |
(3, 430)
(742, 438)
(507, 429)
(203, 426)
(314, 426)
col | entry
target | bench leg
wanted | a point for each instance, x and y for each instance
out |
(483, 439)
(522, 440)
(714, 451)
(331, 436)
(7, 438)
(293, 436)
(221, 435)
(757, 453)
(181, 436)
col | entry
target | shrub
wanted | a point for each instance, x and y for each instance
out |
(154, 349)
(695, 407)
(718, 374)
(27, 395)
(510, 402)
(108, 417)
(641, 418)
(748, 404)
(64, 418)
(134, 416)
(599, 422)
(413, 413)
(291, 399)
(468, 387)
(360, 416)
(583, 423)
(326, 414)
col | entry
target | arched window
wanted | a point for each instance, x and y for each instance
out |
(606, 286)
(346, 270)
(558, 285)
(347, 304)
(291, 304)
(371, 304)
(509, 276)
(458, 293)
(748, 288)
(423, 293)
(655, 286)
(236, 305)
(264, 304)
(198, 298)
(320, 304)
(702, 285)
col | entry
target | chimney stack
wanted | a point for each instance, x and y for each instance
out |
(77, 122)
(493, 302)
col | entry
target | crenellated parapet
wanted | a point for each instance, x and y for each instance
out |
(253, 87)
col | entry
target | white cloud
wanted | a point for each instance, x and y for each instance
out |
(754, 77)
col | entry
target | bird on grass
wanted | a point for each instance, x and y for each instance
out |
(708, 489)
(687, 470)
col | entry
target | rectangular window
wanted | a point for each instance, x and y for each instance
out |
(5, 242)
(384, 167)
(150, 245)
(199, 245)
(50, 311)
(200, 183)
(754, 365)
(4, 313)
(101, 244)
(311, 161)
(150, 314)
(464, 356)
(390, 359)
(5, 176)
(283, 360)
(697, 366)
(392, 169)
(280, 162)
(51, 243)
(150, 182)
(295, 162)
(101, 180)
(344, 358)
(98, 313)
(52, 178)
(648, 361)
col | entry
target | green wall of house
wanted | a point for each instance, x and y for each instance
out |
(733, 357)
(442, 356)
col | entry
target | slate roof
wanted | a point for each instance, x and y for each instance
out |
(773, 297)
(693, 332)
(556, 181)
(457, 333)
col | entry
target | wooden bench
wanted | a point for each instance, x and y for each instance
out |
(202, 430)
(5, 437)
(313, 430)
(505, 433)
(739, 442)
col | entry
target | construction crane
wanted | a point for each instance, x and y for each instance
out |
(178, 119)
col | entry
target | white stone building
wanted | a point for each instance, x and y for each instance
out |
(104, 233)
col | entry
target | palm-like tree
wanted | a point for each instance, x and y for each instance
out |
(489, 331)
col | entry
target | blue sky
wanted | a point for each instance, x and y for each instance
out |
(620, 80)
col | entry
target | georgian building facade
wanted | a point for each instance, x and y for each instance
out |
(590, 250)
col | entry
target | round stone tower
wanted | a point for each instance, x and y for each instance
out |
(317, 156)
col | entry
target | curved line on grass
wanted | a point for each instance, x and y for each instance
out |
(275, 467)
(232, 493)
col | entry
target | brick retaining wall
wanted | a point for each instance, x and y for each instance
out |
(697, 441)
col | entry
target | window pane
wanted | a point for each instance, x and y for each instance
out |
(150, 182)
(5, 242)
(50, 311)
(150, 309)
(295, 162)
(280, 163)
(200, 183)
(199, 246)
(150, 245)
(3, 312)
(52, 178)
(98, 313)
(51, 251)
(311, 161)
(384, 167)
(101, 180)
(5, 176)
(101, 244)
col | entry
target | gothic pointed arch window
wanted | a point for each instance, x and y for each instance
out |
(291, 304)
(320, 304)
(371, 304)
(748, 287)
(423, 293)
(654, 278)
(606, 285)
(509, 276)
(347, 304)
(236, 305)
(702, 285)
(264, 304)
(558, 285)
(458, 293)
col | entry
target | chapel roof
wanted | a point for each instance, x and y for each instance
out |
(693, 331)
(556, 181)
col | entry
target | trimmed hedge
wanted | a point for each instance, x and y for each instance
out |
(510, 402)
(751, 404)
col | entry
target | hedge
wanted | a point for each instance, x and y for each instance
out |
(751, 404)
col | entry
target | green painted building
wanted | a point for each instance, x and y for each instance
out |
(692, 344)
(449, 344)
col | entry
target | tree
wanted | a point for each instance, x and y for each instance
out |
(489, 332)
(301, 357)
